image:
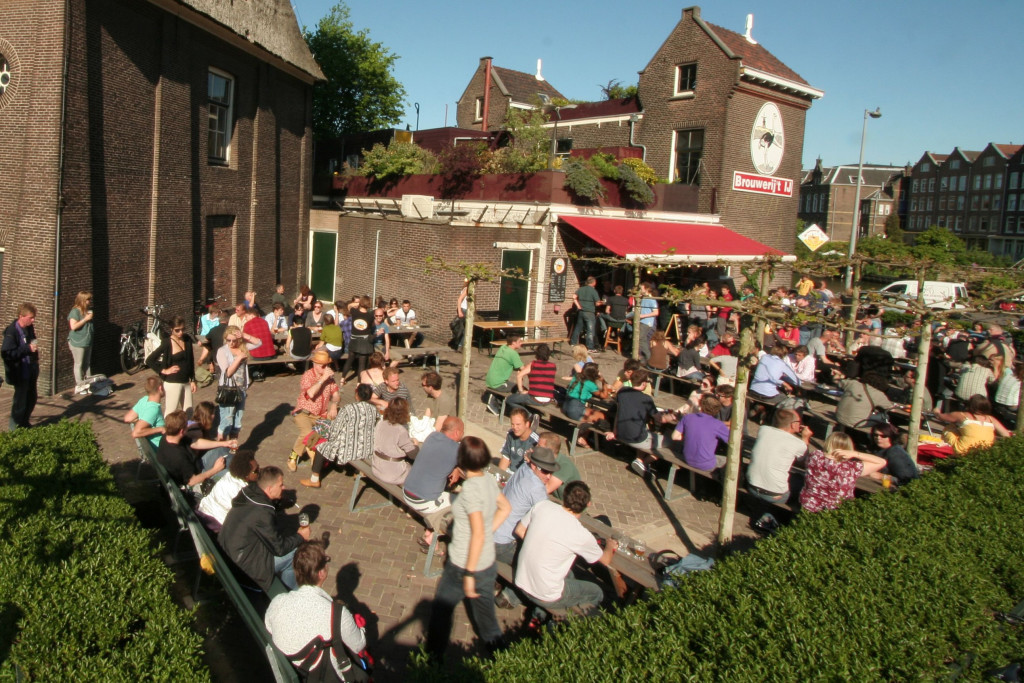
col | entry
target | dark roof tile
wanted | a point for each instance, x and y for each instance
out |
(755, 56)
(523, 87)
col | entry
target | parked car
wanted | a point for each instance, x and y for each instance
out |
(937, 294)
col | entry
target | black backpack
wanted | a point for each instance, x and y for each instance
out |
(314, 660)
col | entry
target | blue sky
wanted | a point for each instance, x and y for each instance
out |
(945, 74)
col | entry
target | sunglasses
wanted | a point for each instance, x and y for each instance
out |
(178, 329)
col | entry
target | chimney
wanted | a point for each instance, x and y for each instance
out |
(750, 27)
(539, 77)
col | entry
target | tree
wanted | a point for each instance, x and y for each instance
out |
(360, 94)
(614, 90)
(893, 230)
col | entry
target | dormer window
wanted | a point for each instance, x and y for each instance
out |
(686, 79)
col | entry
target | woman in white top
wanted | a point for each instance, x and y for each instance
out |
(232, 361)
(803, 364)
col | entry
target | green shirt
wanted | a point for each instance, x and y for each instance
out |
(588, 297)
(506, 361)
(82, 337)
(567, 473)
(331, 334)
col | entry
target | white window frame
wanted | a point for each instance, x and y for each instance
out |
(220, 124)
(676, 92)
(478, 109)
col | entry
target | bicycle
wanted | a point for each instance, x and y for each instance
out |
(136, 344)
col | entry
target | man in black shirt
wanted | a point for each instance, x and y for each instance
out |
(615, 316)
(176, 455)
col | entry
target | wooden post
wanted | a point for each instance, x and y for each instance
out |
(637, 298)
(467, 348)
(735, 453)
(924, 346)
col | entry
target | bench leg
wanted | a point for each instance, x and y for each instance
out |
(427, 573)
(670, 483)
(356, 491)
(572, 443)
(657, 385)
(501, 415)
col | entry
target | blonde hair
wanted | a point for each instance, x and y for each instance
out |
(837, 441)
(82, 301)
(230, 330)
(579, 352)
(658, 337)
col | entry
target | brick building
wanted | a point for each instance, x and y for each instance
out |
(155, 151)
(827, 195)
(715, 110)
(965, 191)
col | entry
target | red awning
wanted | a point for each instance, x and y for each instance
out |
(671, 242)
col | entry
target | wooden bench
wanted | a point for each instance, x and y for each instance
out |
(553, 342)
(505, 575)
(427, 352)
(549, 411)
(211, 558)
(658, 376)
(364, 474)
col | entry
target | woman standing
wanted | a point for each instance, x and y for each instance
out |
(459, 323)
(392, 444)
(361, 343)
(832, 475)
(232, 361)
(477, 512)
(173, 361)
(80, 337)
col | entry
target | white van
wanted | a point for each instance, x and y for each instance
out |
(937, 294)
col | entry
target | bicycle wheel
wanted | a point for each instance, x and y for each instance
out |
(131, 355)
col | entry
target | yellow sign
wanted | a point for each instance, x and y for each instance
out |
(813, 237)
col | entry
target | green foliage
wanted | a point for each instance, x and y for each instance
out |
(638, 166)
(614, 90)
(582, 180)
(84, 598)
(530, 147)
(459, 166)
(634, 186)
(396, 160)
(604, 165)
(360, 93)
(939, 245)
(892, 227)
(893, 318)
(895, 587)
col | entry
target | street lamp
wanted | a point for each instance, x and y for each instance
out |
(876, 114)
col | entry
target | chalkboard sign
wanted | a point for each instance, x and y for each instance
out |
(556, 286)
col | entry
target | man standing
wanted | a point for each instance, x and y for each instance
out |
(440, 402)
(251, 537)
(648, 319)
(586, 299)
(318, 399)
(432, 471)
(518, 441)
(553, 537)
(499, 375)
(773, 454)
(304, 617)
(147, 414)
(21, 363)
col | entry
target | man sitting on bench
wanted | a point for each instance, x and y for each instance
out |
(773, 455)
(552, 538)
(432, 471)
(500, 375)
(700, 433)
(520, 438)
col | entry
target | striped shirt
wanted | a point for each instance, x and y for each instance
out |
(542, 379)
(974, 379)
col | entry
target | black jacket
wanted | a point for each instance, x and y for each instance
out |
(13, 351)
(160, 359)
(250, 536)
(635, 408)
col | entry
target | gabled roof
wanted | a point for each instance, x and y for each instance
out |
(1006, 150)
(754, 54)
(520, 86)
(606, 108)
(847, 175)
(935, 159)
(270, 24)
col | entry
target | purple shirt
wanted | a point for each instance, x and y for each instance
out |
(701, 433)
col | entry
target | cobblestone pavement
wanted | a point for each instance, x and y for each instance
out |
(375, 562)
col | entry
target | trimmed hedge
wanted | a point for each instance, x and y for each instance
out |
(895, 587)
(82, 595)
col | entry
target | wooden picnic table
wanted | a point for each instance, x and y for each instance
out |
(490, 326)
(406, 332)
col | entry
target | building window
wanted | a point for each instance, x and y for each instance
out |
(986, 201)
(925, 167)
(913, 185)
(998, 181)
(977, 182)
(1011, 202)
(1009, 226)
(988, 161)
(930, 204)
(1020, 247)
(220, 95)
(1013, 180)
(974, 202)
(931, 184)
(942, 203)
(997, 202)
(959, 223)
(960, 203)
(478, 109)
(688, 149)
(913, 204)
(963, 183)
(943, 184)
(1020, 225)
(954, 164)
(686, 79)
(972, 225)
(942, 221)
(988, 181)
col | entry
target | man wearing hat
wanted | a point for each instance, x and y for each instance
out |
(526, 488)
(318, 400)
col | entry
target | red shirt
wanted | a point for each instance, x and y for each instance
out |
(258, 327)
(315, 406)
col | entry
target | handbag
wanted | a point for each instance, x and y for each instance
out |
(228, 395)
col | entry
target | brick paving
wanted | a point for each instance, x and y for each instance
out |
(376, 564)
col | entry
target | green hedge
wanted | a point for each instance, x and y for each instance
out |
(83, 596)
(895, 587)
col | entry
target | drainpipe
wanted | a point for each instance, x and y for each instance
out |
(376, 253)
(633, 120)
(60, 198)
(487, 93)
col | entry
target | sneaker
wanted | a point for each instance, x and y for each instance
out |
(639, 467)
(766, 523)
(309, 482)
(535, 422)
(502, 602)
(293, 462)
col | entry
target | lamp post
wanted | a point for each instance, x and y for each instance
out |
(554, 132)
(876, 114)
(417, 106)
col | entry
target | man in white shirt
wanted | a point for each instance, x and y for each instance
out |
(773, 454)
(407, 316)
(242, 470)
(303, 616)
(545, 560)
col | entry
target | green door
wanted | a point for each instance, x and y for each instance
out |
(515, 293)
(322, 264)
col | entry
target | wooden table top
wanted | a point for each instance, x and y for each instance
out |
(511, 324)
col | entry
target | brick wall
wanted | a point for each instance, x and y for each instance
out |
(145, 217)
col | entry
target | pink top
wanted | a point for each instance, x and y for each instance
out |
(829, 482)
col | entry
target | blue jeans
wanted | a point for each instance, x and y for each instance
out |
(586, 323)
(210, 457)
(524, 400)
(576, 593)
(231, 418)
(284, 569)
(573, 408)
(449, 594)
